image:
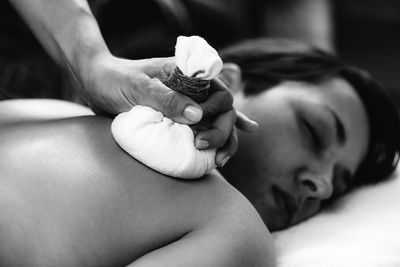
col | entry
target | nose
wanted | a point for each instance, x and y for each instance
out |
(316, 185)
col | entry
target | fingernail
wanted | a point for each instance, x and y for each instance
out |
(224, 161)
(256, 125)
(192, 113)
(202, 144)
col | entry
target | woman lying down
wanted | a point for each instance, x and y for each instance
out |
(70, 196)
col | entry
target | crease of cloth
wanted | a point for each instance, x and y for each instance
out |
(359, 229)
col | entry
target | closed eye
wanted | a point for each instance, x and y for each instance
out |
(314, 138)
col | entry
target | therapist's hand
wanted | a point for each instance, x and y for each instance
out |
(218, 128)
(112, 85)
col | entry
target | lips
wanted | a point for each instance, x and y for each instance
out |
(286, 202)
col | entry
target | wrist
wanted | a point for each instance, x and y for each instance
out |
(90, 45)
(88, 62)
(80, 42)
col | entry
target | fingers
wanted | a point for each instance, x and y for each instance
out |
(223, 134)
(225, 153)
(219, 99)
(183, 109)
(173, 105)
(245, 124)
(160, 68)
(218, 102)
(177, 106)
(219, 132)
(217, 84)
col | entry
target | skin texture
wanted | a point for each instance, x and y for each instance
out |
(295, 161)
(71, 197)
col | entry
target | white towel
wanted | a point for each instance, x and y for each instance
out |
(361, 230)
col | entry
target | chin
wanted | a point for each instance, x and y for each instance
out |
(274, 219)
(276, 226)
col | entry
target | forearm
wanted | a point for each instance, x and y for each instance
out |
(67, 30)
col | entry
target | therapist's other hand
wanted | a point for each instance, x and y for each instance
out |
(112, 85)
(219, 124)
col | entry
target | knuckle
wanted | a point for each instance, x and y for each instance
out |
(210, 110)
(217, 85)
(168, 67)
(222, 102)
(228, 99)
(148, 85)
(170, 103)
(143, 90)
(220, 138)
(225, 100)
(138, 82)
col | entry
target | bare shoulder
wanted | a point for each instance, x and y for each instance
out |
(228, 231)
(75, 177)
(240, 231)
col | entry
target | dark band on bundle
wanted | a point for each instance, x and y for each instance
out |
(193, 87)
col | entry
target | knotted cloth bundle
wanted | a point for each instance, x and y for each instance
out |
(193, 87)
(160, 143)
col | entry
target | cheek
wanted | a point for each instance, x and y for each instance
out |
(279, 144)
(270, 156)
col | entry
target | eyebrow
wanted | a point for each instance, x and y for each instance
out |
(340, 131)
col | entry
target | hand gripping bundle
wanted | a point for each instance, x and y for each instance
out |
(160, 143)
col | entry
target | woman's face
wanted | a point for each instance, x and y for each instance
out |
(311, 140)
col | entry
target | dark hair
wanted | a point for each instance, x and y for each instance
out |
(267, 62)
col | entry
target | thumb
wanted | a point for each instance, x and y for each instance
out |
(176, 106)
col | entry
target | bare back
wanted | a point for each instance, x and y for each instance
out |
(71, 197)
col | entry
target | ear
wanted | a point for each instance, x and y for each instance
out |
(231, 75)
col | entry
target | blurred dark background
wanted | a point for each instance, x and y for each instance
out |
(364, 33)
(367, 34)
